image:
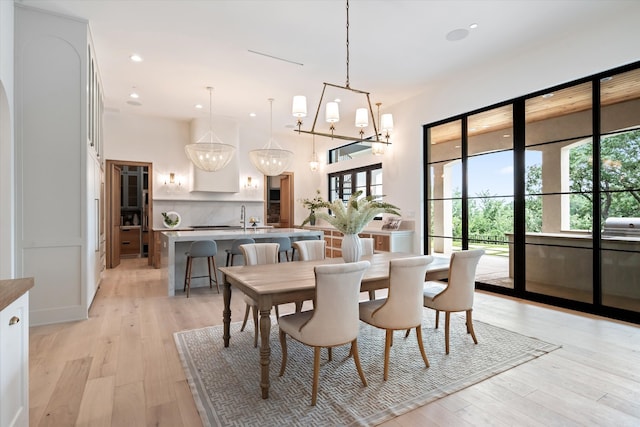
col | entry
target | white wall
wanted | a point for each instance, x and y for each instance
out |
(594, 49)
(7, 172)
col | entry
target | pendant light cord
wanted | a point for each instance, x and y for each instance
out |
(210, 111)
(347, 85)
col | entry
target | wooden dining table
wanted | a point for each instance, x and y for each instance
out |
(287, 282)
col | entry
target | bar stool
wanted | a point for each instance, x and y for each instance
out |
(298, 238)
(285, 246)
(235, 249)
(201, 249)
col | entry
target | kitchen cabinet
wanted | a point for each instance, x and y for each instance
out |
(384, 241)
(14, 359)
(130, 241)
(59, 153)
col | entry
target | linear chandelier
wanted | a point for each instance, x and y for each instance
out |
(332, 113)
(209, 153)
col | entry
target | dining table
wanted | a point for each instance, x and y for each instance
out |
(291, 282)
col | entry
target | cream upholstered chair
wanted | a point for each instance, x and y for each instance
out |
(201, 249)
(310, 249)
(333, 321)
(257, 254)
(457, 294)
(367, 244)
(402, 309)
(298, 239)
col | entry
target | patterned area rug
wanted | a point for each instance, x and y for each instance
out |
(225, 381)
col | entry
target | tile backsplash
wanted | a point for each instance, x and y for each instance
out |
(207, 212)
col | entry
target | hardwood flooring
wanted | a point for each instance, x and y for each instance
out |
(121, 367)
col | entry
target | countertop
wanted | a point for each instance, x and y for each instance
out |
(191, 234)
(366, 230)
(12, 289)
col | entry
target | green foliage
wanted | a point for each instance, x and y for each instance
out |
(313, 204)
(168, 220)
(357, 213)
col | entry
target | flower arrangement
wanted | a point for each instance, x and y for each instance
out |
(357, 213)
(313, 205)
(171, 219)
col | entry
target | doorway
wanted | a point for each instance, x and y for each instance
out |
(129, 210)
(279, 203)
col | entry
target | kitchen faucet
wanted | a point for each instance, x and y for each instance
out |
(243, 217)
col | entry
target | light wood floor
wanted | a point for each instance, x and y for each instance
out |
(121, 367)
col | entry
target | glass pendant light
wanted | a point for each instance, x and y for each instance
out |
(209, 153)
(271, 160)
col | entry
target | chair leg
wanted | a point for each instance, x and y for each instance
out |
(330, 353)
(246, 317)
(387, 351)
(356, 359)
(447, 320)
(277, 312)
(228, 259)
(420, 344)
(209, 267)
(470, 327)
(255, 324)
(316, 374)
(407, 333)
(283, 345)
(187, 282)
(372, 295)
(437, 318)
(215, 272)
(186, 275)
(287, 255)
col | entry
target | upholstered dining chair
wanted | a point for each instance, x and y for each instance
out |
(333, 321)
(457, 294)
(298, 239)
(402, 309)
(310, 249)
(235, 248)
(201, 249)
(257, 254)
(367, 244)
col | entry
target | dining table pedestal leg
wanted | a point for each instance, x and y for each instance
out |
(265, 350)
(226, 312)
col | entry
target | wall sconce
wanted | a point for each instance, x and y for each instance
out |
(250, 184)
(172, 182)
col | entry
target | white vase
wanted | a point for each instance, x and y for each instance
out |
(351, 248)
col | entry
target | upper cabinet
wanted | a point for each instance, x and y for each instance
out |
(58, 131)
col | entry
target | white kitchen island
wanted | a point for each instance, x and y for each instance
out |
(174, 244)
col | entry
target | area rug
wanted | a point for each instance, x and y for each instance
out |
(226, 381)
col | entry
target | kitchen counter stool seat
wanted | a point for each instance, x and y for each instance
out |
(201, 249)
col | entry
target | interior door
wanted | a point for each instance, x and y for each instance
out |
(115, 178)
(285, 201)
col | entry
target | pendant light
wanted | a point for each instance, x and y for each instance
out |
(209, 153)
(314, 163)
(271, 160)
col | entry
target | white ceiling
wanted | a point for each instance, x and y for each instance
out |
(397, 47)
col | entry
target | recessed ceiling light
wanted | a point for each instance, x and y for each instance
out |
(198, 106)
(547, 95)
(134, 95)
(252, 114)
(473, 26)
(136, 58)
(458, 34)
(337, 100)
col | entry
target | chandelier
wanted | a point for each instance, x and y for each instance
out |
(332, 112)
(271, 160)
(209, 153)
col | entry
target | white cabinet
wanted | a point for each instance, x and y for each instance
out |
(58, 151)
(14, 363)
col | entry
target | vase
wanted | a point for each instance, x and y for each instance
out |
(351, 248)
(312, 218)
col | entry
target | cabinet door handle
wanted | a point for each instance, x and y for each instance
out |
(14, 320)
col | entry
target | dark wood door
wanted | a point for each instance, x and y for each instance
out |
(114, 180)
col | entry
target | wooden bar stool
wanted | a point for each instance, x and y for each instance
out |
(201, 249)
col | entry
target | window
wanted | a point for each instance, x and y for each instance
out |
(350, 151)
(344, 183)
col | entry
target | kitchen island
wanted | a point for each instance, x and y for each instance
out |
(174, 244)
